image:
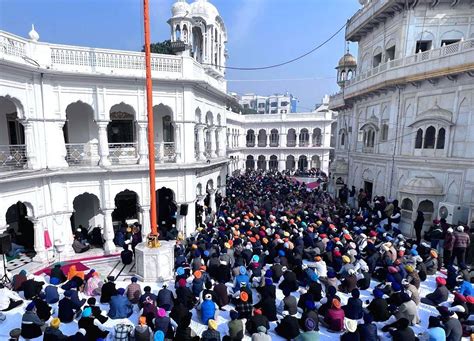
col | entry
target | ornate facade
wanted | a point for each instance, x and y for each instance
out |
(406, 107)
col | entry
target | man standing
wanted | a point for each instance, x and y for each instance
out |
(448, 247)
(461, 243)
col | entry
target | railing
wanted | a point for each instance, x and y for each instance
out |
(114, 60)
(12, 46)
(429, 55)
(81, 154)
(304, 144)
(196, 149)
(207, 149)
(123, 153)
(250, 144)
(165, 152)
(291, 143)
(262, 143)
(13, 156)
(273, 144)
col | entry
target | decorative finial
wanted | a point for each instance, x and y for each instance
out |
(34, 36)
(347, 47)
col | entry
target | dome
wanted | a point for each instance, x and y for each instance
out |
(180, 8)
(34, 36)
(204, 9)
(423, 184)
(347, 60)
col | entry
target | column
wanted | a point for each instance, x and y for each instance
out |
(190, 221)
(178, 149)
(55, 146)
(40, 249)
(212, 199)
(200, 136)
(222, 145)
(298, 140)
(103, 144)
(108, 231)
(145, 221)
(281, 164)
(310, 141)
(283, 140)
(200, 201)
(212, 132)
(63, 236)
(142, 142)
(31, 153)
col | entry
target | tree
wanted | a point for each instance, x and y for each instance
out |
(163, 47)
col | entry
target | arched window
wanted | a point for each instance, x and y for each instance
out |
(250, 138)
(290, 162)
(250, 162)
(304, 138)
(317, 137)
(291, 138)
(441, 138)
(384, 133)
(419, 139)
(274, 138)
(168, 131)
(430, 136)
(262, 163)
(407, 204)
(369, 138)
(343, 139)
(262, 138)
(303, 163)
(273, 164)
(178, 33)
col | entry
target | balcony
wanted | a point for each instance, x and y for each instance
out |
(82, 154)
(443, 61)
(12, 157)
(165, 152)
(123, 153)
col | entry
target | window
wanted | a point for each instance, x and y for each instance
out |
(16, 132)
(343, 139)
(317, 137)
(304, 138)
(246, 106)
(261, 105)
(390, 54)
(423, 45)
(369, 138)
(377, 59)
(274, 104)
(284, 104)
(250, 138)
(121, 128)
(274, 111)
(441, 138)
(274, 137)
(262, 138)
(449, 42)
(419, 139)
(407, 204)
(430, 138)
(291, 138)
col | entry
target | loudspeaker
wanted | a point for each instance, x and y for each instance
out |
(183, 209)
(5, 243)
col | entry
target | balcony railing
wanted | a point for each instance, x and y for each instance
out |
(13, 156)
(291, 143)
(82, 154)
(123, 153)
(250, 144)
(273, 144)
(262, 143)
(12, 46)
(304, 144)
(165, 152)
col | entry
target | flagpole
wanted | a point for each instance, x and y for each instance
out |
(151, 131)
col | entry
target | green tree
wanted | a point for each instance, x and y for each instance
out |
(163, 47)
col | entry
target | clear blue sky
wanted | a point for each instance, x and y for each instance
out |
(261, 32)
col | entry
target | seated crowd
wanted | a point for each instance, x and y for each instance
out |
(276, 258)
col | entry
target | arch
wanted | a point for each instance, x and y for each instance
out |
(185, 33)
(343, 139)
(290, 162)
(80, 117)
(430, 138)
(304, 137)
(209, 119)
(219, 181)
(419, 139)
(219, 122)
(12, 134)
(302, 163)
(274, 138)
(177, 32)
(273, 163)
(384, 132)
(163, 118)
(198, 115)
(121, 128)
(15, 105)
(441, 138)
(427, 207)
(317, 137)
(452, 36)
(315, 162)
(209, 185)
(250, 162)
(197, 48)
(262, 163)
(291, 138)
(86, 206)
(367, 175)
(20, 226)
(126, 206)
(407, 204)
(199, 189)
(166, 212)
(250, 138)
(262, 138)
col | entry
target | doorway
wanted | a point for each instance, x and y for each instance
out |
(368, 188)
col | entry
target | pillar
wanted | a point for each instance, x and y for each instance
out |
(212, 133)
(222, 144)
(310, 140)
(108, 232)
(55, 146)
(103, 144)
(142, 142)
(212, 199)
(281, 165)
(145, 221)
(190, 221)
(62, 235)
(200, 136)
(31, 152)
(40, 248)
(178, 149)
(283, 140)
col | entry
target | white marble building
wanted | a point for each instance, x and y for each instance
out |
(406, 107)
(73, 127)
(281, 141)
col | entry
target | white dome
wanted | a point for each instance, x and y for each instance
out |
(204, 9)
(34, 36)
(180, 8)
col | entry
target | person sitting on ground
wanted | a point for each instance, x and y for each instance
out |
(288, 303)
(184, 331)
(451, 325)
(31, 288)
(379, 307)
(211, 333)
(56, 272)
(163, 322)
(236, 327)
(93, 285)
(18, 280)
(133, 291)
(120, 307)
(334, 318)
(288, 328)
(142, 331)
(126, 255)
(9, 299)
(51, 291)
(30, 323)
(108, 290)
(400, 330)
(435, 331)
(351, 334)
(43, 309)
(165, 298)
(66, 308)
(184, 294)
(354, 310)
(310, 331)
(261, 335)
(146, 293)
(439, 295)
(408, 310)
(209, 309)
(52, 332)
(258, 319)
(96, 311)
(368, 330)
(87, 321)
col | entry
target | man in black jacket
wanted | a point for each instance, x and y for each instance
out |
(108, 290)
(31, 288)
(288, 328)
(56, 272)
(400, 330)
(96, 312)
(257, 320)
(66, 308)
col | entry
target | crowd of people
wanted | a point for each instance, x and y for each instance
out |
(275, 259)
